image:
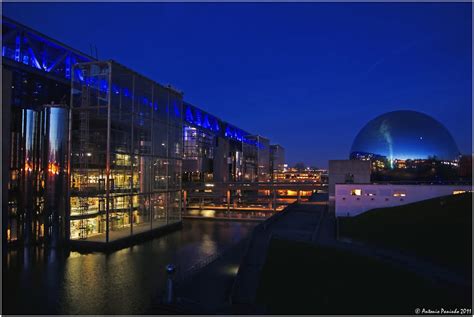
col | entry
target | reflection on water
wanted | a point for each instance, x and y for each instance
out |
(212, 213)
(123, 282)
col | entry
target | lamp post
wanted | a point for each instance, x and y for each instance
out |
(169, 296)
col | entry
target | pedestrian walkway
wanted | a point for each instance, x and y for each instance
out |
(317, 224)
(296, 222)
(218, 289)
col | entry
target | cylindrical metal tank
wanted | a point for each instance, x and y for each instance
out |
(39, 162)
(30, 204)
(55, 172)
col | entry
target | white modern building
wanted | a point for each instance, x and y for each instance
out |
(347, 171)
(354, 199)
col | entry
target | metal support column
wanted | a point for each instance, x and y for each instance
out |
(107, 166)
(274, 199)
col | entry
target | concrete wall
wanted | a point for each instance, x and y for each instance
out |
(386, 195)
(339, 171)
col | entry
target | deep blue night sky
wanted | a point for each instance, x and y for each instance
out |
(308, 75)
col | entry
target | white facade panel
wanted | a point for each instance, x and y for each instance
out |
(354, 199)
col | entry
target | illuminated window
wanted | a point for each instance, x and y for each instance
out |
(457, 192)
(356, 192)
(399, 194)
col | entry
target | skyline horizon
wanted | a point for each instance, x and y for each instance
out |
(294, 137)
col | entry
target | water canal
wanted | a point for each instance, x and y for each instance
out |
(43, 281)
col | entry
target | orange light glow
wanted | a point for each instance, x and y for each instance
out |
(28, 166)
(53, 168)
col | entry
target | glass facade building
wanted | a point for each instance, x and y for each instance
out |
(35, 96)
(199, 133)
(95, 152)
(216, 151)
(126, 153)
(263, 158)
(277, 158)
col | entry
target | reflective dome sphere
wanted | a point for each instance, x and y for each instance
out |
(403, 135)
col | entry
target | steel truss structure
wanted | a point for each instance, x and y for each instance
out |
(42, 71)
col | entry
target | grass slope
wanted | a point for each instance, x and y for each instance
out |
(438, 230)
(300, 278)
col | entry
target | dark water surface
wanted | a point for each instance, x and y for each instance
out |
(43, 281)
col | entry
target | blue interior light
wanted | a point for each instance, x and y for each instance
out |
(197, 114)
(176, 110)
(17, 48)
(68, 66)
(206, 123)
(189, 115)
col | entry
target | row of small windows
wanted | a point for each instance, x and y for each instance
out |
(358, 192)
(358, 198)
(399, 193)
